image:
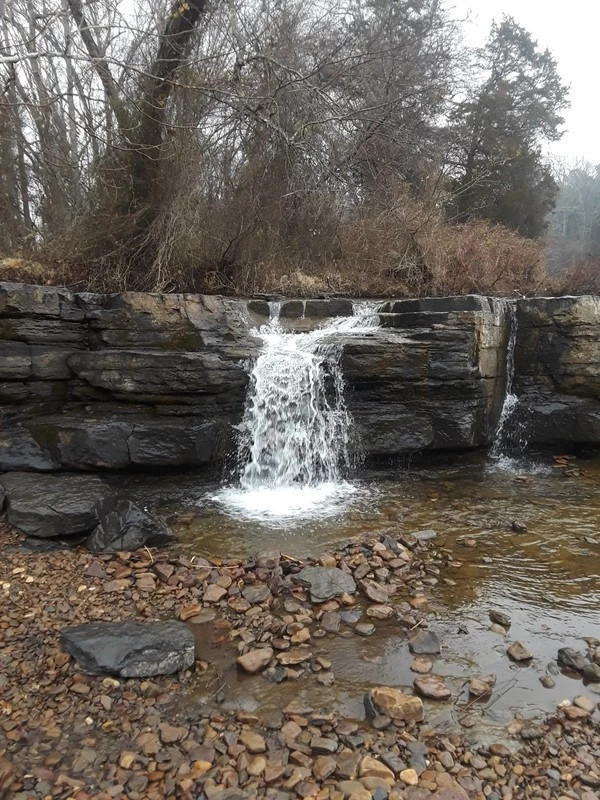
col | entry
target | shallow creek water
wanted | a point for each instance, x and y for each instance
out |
(546, 579)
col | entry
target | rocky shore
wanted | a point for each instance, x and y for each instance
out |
(66, 733)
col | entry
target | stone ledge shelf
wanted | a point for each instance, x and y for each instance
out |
(90, 381)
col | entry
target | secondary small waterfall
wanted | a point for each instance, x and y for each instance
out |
(510, 438)
(295, 434)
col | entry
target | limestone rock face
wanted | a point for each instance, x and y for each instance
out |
(557, 363)
(432, 379)
(90, 381)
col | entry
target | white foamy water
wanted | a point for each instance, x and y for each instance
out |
(510, 439)
(295, 435)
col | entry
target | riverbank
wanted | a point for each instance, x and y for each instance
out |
(66, 734)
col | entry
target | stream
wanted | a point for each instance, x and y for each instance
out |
(546, 577)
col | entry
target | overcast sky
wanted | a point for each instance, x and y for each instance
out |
(571, 30)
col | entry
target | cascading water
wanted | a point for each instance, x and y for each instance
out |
(510, 438)
(295, 434)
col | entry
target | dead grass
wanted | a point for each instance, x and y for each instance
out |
(400, 247)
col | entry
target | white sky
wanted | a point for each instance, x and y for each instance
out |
(571, 31)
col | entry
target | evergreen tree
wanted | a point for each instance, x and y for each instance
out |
(497, 131)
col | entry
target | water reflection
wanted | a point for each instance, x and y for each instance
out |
(526, 542)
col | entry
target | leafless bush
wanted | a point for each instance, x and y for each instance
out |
(581, 277)
(240, 147)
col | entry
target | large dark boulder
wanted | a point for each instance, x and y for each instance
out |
(130, 649)
(53, 505)
(127, 527)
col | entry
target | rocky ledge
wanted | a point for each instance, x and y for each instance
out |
(91, 381)
(67, 731)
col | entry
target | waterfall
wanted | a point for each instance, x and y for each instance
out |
(295, 434)
(510, 437)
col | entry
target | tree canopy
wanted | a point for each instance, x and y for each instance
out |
(226, 145)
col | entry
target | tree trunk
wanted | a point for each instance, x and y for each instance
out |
(150, 150)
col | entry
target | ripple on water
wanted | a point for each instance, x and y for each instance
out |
(547, 579)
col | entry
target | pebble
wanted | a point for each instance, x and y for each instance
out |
(202, 749)
(499, 618)
(380, 612)
(424, 643)
(255, 660)
(433, 687)
(372, 768)
(481, 687)
(519, 652)
(364, 628)
(421, 664)
(395, 704)
(252, 741)
(409, 777)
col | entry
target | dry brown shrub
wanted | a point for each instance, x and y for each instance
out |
(260, 239)
(581, 277)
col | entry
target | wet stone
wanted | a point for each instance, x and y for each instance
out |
(255, 660)
(495, 628)
(330, 621)
(252, 741)
(586, 703)
(350, 615)
(418, 756)
(380, 612)
(373, 768)
(422, 665)
(568, 657)
(323, 767)
(424, 536)
(394, 703)
(591, 673)
(499, 618)
(130, 649)
(374, 591)
(424, 643)
(257, 593)
(364, 628)
(214, 593)
(433, 687)
(519, 652)
(325, 583)
(480, 687)
(321, 744)
(296, 656)
(347, 764)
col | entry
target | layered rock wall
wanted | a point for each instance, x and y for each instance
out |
(130, 380)
(432, 379)
(112, 381)
(557, 365)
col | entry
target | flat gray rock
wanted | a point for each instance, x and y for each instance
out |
(130, 649)
(424, 643)
(325, 583)
(53, 505)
